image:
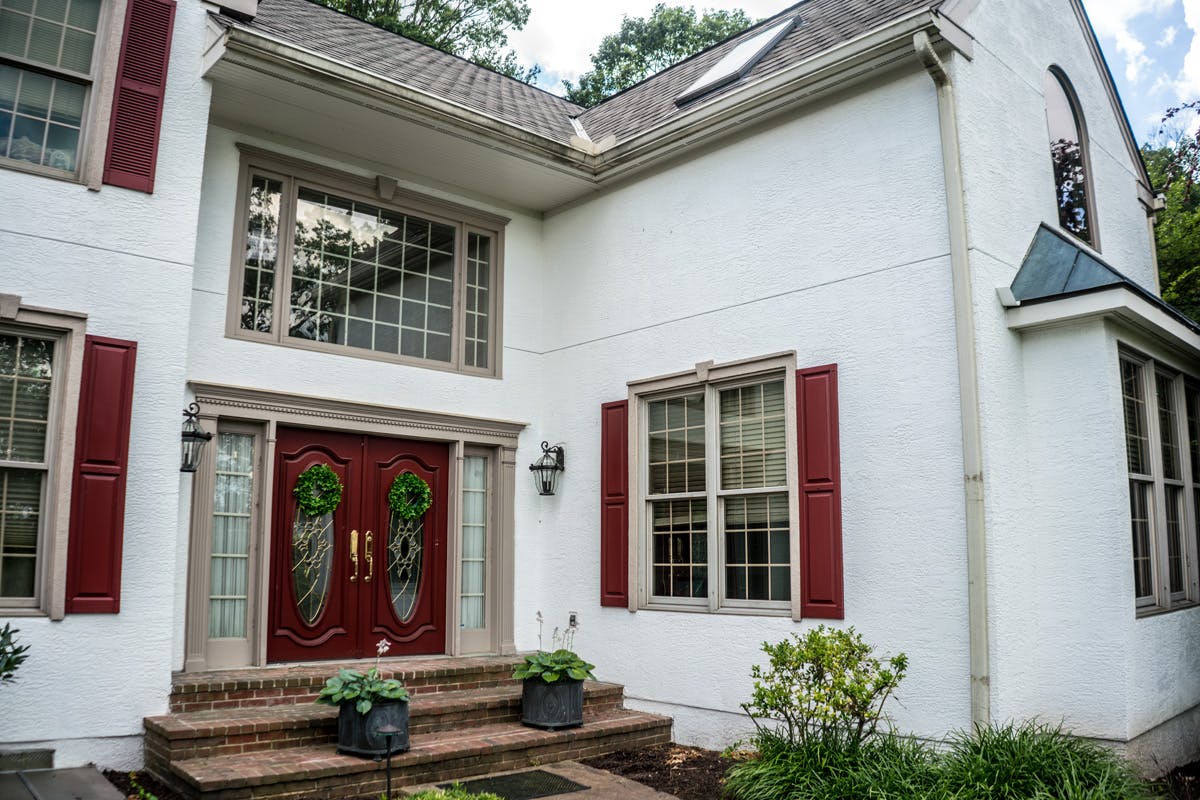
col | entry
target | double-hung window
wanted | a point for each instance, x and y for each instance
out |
(718, 511)
(1162, 415)
(321, 263)
(47, 69)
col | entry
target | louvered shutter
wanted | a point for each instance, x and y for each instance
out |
(98, 486)
(614, 504)
(138, 97)
(820, 494)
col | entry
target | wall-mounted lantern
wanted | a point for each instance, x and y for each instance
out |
(547, 468)
(192, 439)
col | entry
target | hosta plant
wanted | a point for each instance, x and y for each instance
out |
(554, 666)
(352, 686)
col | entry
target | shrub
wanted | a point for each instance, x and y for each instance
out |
(822, 687)
(455, 792)
(12, 655)
(1033, 760)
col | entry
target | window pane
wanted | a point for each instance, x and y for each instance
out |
(479, 278)
(1068, 158)
(753, 437)
(1136, 441)
(1175, 543)
(675, 434)
(233, 501)
(20, 516)
(38, 101)
(680, 548)
(756, 548)
(1166, 426)
(26, 372)
(1139, 512)
(474, 538)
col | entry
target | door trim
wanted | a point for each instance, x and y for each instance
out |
(263, 410)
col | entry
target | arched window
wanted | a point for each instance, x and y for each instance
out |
(1068, 152)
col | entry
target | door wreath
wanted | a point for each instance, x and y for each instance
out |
(410, 497)
(318, 490)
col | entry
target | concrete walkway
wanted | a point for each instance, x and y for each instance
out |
(602, 785)
(80, 783)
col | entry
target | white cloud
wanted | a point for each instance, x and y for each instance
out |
(1168, 37)
(1188, 87)
(1111, 19)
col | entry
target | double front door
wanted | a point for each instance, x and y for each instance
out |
(343, 580)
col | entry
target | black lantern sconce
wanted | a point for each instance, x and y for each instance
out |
(547, 468)
(192, 440)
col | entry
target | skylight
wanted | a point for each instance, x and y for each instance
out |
(737, 62)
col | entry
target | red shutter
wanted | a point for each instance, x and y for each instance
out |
(614, 504)
(138, 96)
(820, 494)
(98, 488)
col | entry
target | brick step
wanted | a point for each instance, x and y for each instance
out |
(318, 771)
(299, 683)
(201, 734)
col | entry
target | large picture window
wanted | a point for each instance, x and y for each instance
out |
(325, 266)
(718, 512)
(1162, 409)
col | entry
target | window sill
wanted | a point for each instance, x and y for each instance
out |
(730, 611)
(41, 171)
(1158, 611)
(19, 611)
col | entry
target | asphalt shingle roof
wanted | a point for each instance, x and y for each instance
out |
(822, 24)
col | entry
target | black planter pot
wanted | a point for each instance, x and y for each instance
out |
(357, 732)
(552, 705)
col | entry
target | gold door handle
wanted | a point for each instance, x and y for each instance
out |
(370, 557)
(354, 554)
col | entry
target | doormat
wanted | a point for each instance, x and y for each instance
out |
(521, 785)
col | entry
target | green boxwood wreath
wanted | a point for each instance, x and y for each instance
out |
(318, 490)
(410, 497)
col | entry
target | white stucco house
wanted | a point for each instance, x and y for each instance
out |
(851, 319)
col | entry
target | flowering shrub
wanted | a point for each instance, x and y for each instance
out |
(821, 685)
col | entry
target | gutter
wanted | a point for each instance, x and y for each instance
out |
(968, 382)
(595, 162)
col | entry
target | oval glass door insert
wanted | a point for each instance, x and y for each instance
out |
(312, 563)
(404, 548)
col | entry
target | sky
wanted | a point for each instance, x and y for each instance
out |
(1151, 45)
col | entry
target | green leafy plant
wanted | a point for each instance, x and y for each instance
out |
(364, 690)
(12, 655)
(554, 666)
(410, 497)
(455, 792)
(142, 792)
(824, 685)
(318, 490)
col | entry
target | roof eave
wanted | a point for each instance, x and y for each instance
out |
(251, 49)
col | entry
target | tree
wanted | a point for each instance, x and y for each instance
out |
(474, 29)
(646, 45)
(1174, 166)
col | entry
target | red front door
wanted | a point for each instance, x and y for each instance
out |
(343, 581)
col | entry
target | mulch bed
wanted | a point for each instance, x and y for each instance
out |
(689, 773)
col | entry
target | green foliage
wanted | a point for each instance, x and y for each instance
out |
(551, 667)
(646, 45)
(1177, 234)
(1025, 762)
(455, 792)
(1035, 761)
(142, 792)
(823, 686)
(410, 497)
(351, 686)
(318, 490)
(12, 655)
(474, 29)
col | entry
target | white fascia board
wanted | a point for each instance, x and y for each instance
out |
(1118, 303)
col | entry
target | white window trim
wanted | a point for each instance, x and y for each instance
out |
(1163, 599)
(712, 378)
(97, 111)
(379, 191)
(69, 331)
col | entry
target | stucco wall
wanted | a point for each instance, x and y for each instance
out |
(123, 258)
(819, 236)
(1064, 641)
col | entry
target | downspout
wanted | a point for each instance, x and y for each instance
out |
(968, 382)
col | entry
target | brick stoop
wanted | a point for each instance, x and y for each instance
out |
(257, 733)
